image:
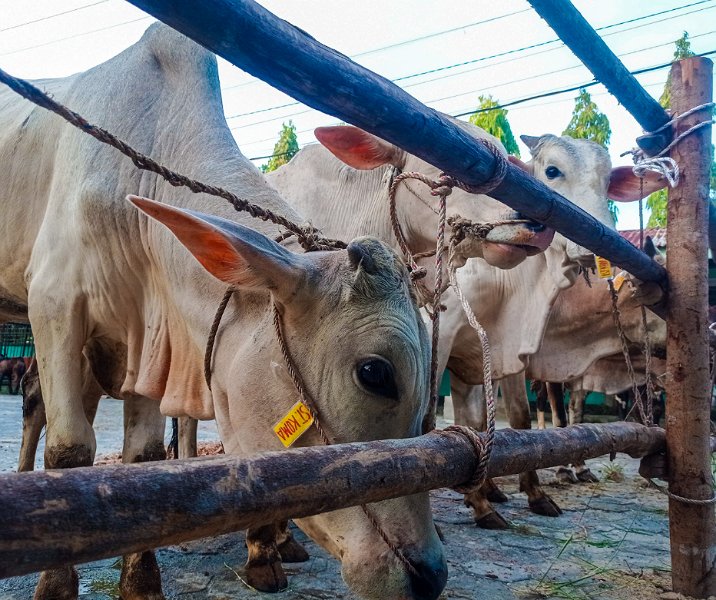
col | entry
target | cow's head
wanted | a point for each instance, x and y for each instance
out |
(505, 246)
(581, 171)
(351, 324)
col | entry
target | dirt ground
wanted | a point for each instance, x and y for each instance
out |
(610, 543)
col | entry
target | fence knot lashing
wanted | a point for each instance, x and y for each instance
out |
(482, 452)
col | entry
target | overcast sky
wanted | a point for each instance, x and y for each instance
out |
(390, 38)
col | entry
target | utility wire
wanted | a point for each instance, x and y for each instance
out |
(529, 98)
(71, 37)
(492, 87)
(48, 17)
(486, 58)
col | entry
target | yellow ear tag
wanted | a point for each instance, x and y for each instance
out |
(294, 424)
(619, 280)
(604, 267)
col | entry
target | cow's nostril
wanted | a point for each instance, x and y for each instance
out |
(429, 581)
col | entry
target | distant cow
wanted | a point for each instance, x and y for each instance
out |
(113, 284)
(11, 371)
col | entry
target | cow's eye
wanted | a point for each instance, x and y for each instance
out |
(377, 377)
(552, 172)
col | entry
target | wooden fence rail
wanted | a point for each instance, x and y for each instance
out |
(253, 39)
(54, 518)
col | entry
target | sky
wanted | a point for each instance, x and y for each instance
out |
(397, 39)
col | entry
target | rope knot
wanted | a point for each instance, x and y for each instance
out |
(462, 228)
(418, 273)
(443, 185)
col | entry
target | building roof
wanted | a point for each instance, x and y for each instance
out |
(657, 234)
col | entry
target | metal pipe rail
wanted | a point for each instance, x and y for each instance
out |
(53, 518)
(253, 39)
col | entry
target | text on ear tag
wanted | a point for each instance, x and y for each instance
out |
(604, 267)
(294, 424)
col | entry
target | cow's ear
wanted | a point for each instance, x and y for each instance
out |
(520, 164)
(624, 186)
(231, 252)
(359, 149)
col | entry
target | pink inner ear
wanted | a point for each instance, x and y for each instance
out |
(355, 147)
(624, 186)
(519, 164)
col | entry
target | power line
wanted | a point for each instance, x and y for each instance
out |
(492, 87)
(47, 18)
(398, 44)
(538, 96)
(71, 37)
(485, 58)
(439, 33)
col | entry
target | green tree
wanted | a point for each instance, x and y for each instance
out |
(589, 123)
(495, 123)
(656, 202)
(284, 150)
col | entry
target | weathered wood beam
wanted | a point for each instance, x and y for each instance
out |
(574, 30)
(54, 518)
(253, 39)
(688, 386)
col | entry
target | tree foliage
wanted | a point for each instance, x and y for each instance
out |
(495, 123)
(588, 122)
(284, 150)
(682, 50)
(656, 202)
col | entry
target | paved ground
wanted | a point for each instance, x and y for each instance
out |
(610, 543)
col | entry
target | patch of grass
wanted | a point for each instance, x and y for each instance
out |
(613, 471)
(105, 585)
(525, 529)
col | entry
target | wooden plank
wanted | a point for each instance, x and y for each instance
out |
(688, 387)
(574, 30)
(62, 517)
(253, 39)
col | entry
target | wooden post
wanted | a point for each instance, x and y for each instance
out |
(253, 39)
(62, 517)
(574, 30)
(693, 529)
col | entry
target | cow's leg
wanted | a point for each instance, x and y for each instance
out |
(187, 437)
(60, 328)
(514, 393)
(143, 441)
(263, 567)
(470, 410)
(289, 549)
(555, 395)
(33, 418)
(576, 416)
(540, 388)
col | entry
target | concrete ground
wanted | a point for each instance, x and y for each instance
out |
(610, 543)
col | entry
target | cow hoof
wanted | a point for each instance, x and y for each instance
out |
(587, 476)
(266, 577)
(140, 578)
(565, 475)
(545, 506)
(292, 552)
(492, 520)
(58, 584)
(495, 494)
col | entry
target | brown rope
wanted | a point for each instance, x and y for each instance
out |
(645, 417)
(308, 237)
(482, 450)
(209, 351)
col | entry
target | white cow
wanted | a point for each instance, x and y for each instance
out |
(103, 284)
(514, 304)
(348, 196)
